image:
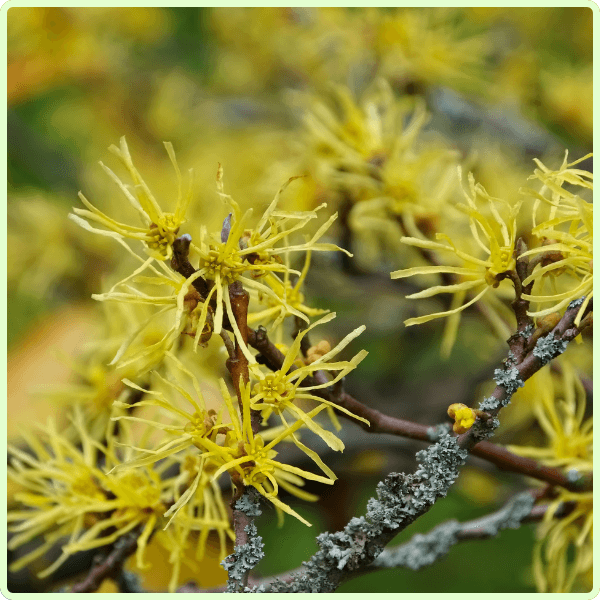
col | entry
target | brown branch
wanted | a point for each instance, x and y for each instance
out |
(241, 522)
(110, 565)
(238, 367)
(180, 263)
(508, 461)
(228, 344)
(382, 423)
(300, 325)
(499, 456)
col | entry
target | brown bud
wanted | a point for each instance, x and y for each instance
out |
(378, 159)
(315, 352)
(191, 299)
(553, 255)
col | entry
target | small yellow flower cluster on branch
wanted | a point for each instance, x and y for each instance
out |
(155, 459)
(158, 435)
(400, 145)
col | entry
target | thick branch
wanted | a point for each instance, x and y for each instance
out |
(248, 549)
(424, 549)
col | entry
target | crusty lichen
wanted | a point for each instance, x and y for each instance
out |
(425, 549)
(548, 347)
(510, 380)
(244, 558)
(400, 500)
(248, 555)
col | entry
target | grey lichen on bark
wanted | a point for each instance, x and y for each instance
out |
(401, 498)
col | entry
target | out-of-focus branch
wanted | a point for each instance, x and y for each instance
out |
(425, 549)
(110, 565)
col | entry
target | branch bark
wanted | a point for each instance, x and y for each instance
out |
(110, 565)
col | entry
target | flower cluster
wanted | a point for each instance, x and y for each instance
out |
(567, 238)
(475, 270)
(153, 449)
(564, 548)
(230, 444)
(371, 158)
(159, 228)
(69, 496)
(252, 257)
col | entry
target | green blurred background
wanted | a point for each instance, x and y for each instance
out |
(215, 82)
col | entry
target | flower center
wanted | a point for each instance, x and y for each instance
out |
(502, 262)
(146, 491)
(274, 389)
(199, 425)
(85, 485)
(226, 262)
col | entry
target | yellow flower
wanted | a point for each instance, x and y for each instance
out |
(198, 428)
(203, 513)
(368, 153)
(277, 391)
(463, 417)
(209, 445)
(97, 387)
(563, 552)
(225, 259)
(159, 228)
(251, 462)
(67, 494)
(286, 294)
(563, 251)
(562, 418)
(179, 297)
(560, 200)
(564, 549)
(493, 235)
(429, 46)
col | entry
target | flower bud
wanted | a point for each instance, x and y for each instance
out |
(463, 417)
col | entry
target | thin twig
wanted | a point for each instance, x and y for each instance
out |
(109, 566)
(228, 343)
(383, 423)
